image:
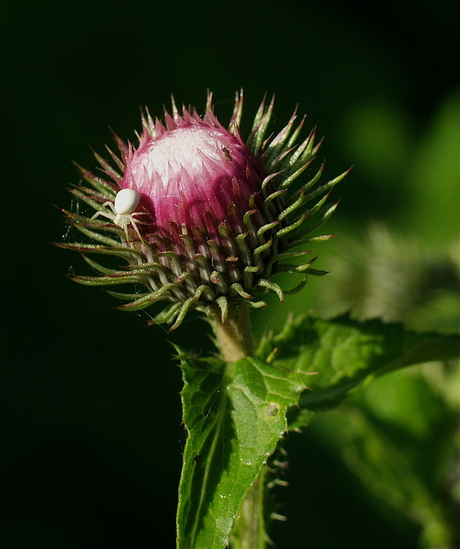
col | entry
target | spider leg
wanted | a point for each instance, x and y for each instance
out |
(110, 205)
(104, 212)
(134, 224)
(123, 221)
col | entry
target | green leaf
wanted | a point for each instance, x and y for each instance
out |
(398, 436)
(344, 353)
(234, 414)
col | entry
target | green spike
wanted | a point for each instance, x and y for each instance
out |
(285, 230)
(259, 129)
(296, 132)
(106, 280)
(258, 118)
(300, 241)
(218, 279)
(297, 288)
(287, 211)
(262, 249)
(223, 305)
(288, 180)
(278, 142)
(266, 228)
(268, 202)
(247, 219)
(182, 312)
(256, 304)
(124, 296)
(318, 208)
(104, 250)
(100, 267)
(293, 268)
(285, 255)
(97, 236)
(148, 267)
(240, 290)
(117, 161)
(304, 150)
(101, 185)
(312, 227)
(315, 272)
(166, 314)
(84, 196)
(273, 287)
(96, 182)
(252, 269)
(327, 185)
(237, 113)
(148, 299)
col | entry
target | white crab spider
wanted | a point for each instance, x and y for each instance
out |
(126, 201)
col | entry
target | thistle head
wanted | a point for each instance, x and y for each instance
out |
(202, 218)
(192, 174)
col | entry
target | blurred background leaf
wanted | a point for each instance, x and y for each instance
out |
(91, 433)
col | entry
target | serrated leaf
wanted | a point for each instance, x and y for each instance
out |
(234, 415)
(344, 353)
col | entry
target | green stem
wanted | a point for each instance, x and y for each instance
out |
(249, 529)
(234, 340)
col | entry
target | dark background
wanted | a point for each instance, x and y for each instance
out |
(91, 433)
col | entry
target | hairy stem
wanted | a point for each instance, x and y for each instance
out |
(233, 338)
(249, 529)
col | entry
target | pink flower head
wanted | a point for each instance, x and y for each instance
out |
(192, 174)
(202, 218)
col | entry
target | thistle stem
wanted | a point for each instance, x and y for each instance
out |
(233, 338)
(249, 529)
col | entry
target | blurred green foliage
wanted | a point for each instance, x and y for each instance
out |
(400, 436)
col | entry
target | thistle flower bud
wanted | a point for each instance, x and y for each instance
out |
(202, 218)
(191, 175)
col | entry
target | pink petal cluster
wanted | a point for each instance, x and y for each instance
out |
(192, 173)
